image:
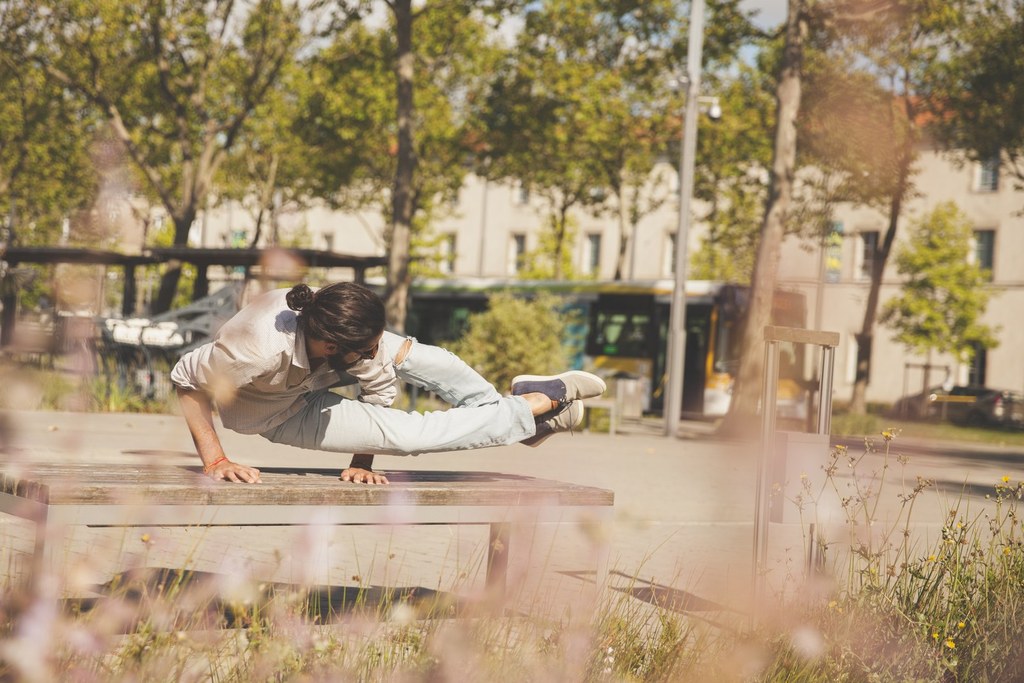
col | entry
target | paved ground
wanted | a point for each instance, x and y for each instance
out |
(682, 535)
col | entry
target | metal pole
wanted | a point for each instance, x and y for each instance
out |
(483, 230)
(761, 495)
(676, 355)
(825, 389)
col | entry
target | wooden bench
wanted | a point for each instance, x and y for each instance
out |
(60, 497)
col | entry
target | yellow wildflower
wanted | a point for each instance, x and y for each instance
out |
(935, 636)
(950, 644)
(1006, 479)
(931, 558)
(888, 435)
(961, 624)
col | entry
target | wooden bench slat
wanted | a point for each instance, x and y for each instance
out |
(87, 484)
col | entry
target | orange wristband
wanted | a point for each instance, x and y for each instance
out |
(207, 468)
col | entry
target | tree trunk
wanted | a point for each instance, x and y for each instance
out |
(748, 383)
(561, 225)
(172, 272)
(398, 278)
(865, 338)
(624, 236)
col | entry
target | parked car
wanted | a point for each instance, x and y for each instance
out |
(966, 405)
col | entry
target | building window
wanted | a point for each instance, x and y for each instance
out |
(446, 253)
(669, 262)
(523, 195)
(832, 252)
(979, 366)
(851, 359)
(986, 174)
(328, 239)
(516, 253)
(866, 259)
(592, 254)
(984, 249)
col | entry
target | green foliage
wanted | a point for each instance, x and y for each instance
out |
(950, 610)
(514, 336)
(944, 297)
(175, 82)
(979, 107)
(550, 260)
(731, 156)
(262, 172)
(347, 112)
(44, 176)
(580, 112)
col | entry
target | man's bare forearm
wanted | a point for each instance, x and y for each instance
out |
(197, 409)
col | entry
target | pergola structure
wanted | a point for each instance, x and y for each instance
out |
(201, 258)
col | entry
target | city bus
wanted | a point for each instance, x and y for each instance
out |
(621, 329)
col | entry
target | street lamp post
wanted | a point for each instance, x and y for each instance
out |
(688, 150)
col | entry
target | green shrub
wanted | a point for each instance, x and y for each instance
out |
(515, 336)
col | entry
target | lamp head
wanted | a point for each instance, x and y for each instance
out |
(715, 111)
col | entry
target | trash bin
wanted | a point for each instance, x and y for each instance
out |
(630, 395)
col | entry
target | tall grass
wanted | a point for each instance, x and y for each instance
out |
(883, 605)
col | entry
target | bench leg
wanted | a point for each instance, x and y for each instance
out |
(48, 556)
(497, 557)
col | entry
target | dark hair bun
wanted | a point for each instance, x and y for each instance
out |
(299, 297)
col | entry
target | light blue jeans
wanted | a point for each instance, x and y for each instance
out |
(480, 417)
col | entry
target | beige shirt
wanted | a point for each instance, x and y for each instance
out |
(258, 372)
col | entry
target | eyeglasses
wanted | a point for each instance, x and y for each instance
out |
(365, 354)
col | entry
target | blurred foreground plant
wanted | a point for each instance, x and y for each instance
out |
(897, 609)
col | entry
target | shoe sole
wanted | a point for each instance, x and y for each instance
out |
(563, 376)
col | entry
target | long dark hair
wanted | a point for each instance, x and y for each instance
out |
(346, 313)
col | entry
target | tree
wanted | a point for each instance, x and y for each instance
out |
(176, 81)
(901, 43)
(944, 296)
(545, 113)
(780, 192)
(978, 94)
(263, 172)
(732, 154)
(44, 176)
(395, 108)
(893, 43)
(584, 110)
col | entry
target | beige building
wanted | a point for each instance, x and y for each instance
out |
(492, 224)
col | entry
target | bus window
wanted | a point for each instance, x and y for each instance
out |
(620, 333)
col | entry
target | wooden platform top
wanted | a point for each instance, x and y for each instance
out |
(126, 484)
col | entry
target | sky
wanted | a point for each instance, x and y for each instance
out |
(771, 13)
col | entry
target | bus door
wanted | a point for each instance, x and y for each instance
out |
(622, 339)
(695, 364)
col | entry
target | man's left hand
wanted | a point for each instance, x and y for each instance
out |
(360, 476)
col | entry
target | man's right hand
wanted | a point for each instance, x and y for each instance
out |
(232, 471)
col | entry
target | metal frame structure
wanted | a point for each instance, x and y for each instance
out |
(773, 336)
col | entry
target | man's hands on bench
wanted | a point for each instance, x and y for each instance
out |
(232, 471)
(361, 476)
(360, 470)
